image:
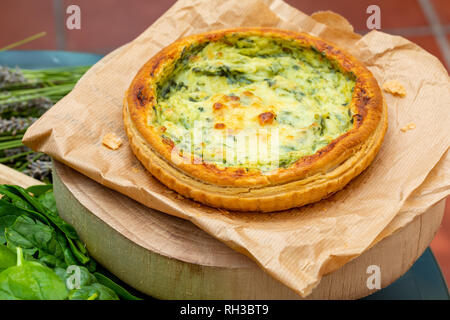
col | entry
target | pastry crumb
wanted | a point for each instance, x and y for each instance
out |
(135, 170)
(410, 126)
(395, 88)
(112, 141)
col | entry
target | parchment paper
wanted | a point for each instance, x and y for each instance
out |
(297, 246)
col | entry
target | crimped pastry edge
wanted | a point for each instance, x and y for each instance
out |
(366, 104)
(310, 180)
(264, 199)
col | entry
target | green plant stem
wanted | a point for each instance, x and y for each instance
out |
(27, 94)
(23, 166)
(5, 159)
(48, 77)
(19, 256)
(7, 138)
(11, 144)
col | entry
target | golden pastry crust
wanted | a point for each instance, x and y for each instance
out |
(307, 180)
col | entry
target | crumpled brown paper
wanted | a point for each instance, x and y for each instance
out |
(297, 246)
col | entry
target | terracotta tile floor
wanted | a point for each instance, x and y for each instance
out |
(442, 9)
(107, 24)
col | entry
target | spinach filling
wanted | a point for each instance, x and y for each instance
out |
(225, 86)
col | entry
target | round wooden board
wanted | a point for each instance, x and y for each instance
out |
(177, 260)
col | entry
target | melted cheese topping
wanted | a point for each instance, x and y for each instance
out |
(253, 102)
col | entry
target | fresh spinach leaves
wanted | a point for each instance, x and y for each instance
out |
(84, 285)
(7, 258)
(38, 239)
(48, 248)
(30, 280)
(95, 291)
(120, 291)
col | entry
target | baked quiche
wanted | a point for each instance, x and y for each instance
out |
(254, 119)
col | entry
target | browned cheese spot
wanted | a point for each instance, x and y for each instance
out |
(266, 118)
(218, 106)
(219, 126)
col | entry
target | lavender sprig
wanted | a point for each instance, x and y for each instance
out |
(15, 151)
(39, 166)
(35, 107)
(24, 96)
(9, 76)
(15, 125)
(13, 79)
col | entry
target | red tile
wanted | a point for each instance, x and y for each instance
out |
(428, 43)
(21, 19)
(394, 13)
(442, 8)
(441, 244)
(108, 24)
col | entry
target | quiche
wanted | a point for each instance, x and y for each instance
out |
(254, 119)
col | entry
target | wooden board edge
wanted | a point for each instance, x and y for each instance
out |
(11, 176)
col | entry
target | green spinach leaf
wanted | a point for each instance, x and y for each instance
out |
(8, 214)
(84, 285)
(30, 280)
(95, 291)
(44, 194)
(29, 222)
(120, 291)
(11, 196)
(7, 258)
(36, 237)
(39, 207)
(40, 189)
(46, 215)
(48, 200)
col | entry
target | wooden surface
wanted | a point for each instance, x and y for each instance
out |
(11, 176)
(177, 260)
